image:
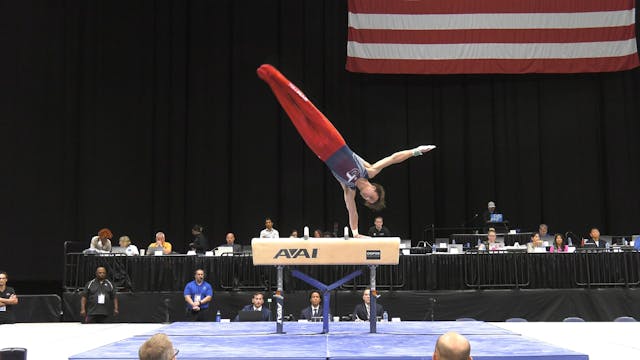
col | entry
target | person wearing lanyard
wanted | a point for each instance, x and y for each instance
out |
(99, 299)
(8, 298)
(198, 294)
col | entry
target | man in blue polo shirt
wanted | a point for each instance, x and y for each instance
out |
(198, 294)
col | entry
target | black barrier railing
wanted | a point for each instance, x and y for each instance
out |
(497, 269)
(474, 270)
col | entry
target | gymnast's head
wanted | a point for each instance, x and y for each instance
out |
(373, 196)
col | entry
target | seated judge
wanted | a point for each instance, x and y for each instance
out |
(492, 243)
(160, 244)
(535, 242)
(362, 311)
(594, 239)
(378, 229)
(314, 310)
(231, 241)
(256, 305)
(102, 242)
(558, 244)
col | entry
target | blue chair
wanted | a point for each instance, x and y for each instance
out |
(516, 319)
(466, 319)
(573, 319)
(624, 319)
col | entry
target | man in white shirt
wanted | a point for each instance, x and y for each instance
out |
(269, 232)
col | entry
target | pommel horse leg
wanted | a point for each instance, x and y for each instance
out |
(373, 295)
(279, 301)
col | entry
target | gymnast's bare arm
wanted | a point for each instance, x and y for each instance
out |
(396, 158)
(350, 202)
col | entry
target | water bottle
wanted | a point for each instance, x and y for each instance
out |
(570, 241)
(385, 316)
(453, 242)
(218, 316)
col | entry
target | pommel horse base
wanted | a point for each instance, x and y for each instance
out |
(326, 251)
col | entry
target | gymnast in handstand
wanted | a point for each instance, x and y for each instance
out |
(325, 141)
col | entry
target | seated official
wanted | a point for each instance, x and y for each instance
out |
(362, 311)
(558, 244)
(314, 310)
(492, 242)
(378, 229)
(256, 305)
(129, 248)
(160, 244)
(594, 239)
(231, 241)
(536, 242)
(102, 242)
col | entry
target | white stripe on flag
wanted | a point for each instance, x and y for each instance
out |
(492, 51)
(492, 21)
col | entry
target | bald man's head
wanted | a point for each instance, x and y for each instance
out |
(452, 346)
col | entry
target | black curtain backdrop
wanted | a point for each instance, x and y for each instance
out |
(147, 116)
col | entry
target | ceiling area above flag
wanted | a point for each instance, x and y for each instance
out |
(491, 36)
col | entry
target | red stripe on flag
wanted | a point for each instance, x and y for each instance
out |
(485, 6)
(491, 35)
(493, 66)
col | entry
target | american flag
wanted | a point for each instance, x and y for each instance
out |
(491, 36)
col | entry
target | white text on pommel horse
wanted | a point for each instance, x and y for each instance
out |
(296, 253)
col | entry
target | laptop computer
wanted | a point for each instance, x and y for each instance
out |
(222, 250)
(496, 218)
(250, 315)
(405, 244)
(118, 250)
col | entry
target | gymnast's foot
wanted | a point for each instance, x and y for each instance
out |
(422, 149)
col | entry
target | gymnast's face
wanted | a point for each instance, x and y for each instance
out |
(369, 194)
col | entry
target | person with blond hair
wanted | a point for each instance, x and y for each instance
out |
(158, 347)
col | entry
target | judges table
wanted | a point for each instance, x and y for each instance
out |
(414, 272)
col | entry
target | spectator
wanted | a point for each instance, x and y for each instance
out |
(128, 247)
(362, 311)
(256, 305)
(452, 346)
(8, 299)
(198, 294)
(102, 242)
(294, 233)
(378, 229)
(158, 347)
(160, 244)
(199, 243)
(99, 299)
(269, 231)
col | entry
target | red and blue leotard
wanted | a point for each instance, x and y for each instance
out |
(316, 130)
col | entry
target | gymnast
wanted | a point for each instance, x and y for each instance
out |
(325, 141)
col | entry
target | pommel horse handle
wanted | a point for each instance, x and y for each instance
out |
(326, 251)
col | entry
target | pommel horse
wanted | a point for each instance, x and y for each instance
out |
(325, 251)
